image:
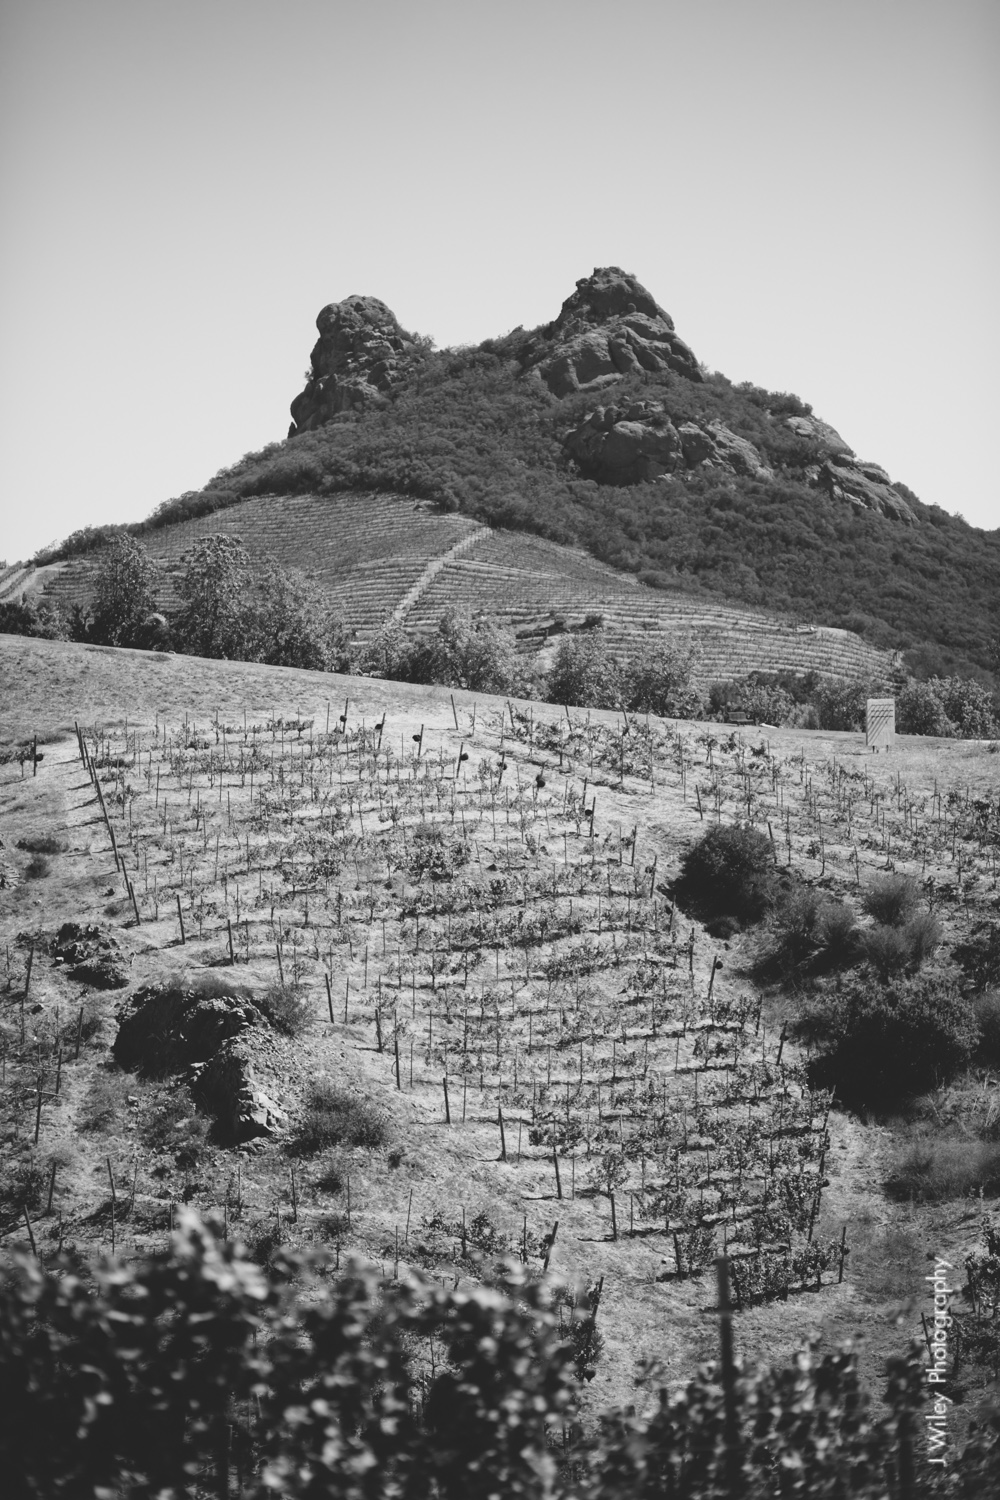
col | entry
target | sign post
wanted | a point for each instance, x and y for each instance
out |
(880, 724)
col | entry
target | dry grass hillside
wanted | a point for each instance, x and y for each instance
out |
(388, 555)
(456, 909)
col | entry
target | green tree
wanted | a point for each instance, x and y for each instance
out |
(218, 616)
(296, 626)
(660, 679)
(586, 673)
(919, 710)
(124, 597)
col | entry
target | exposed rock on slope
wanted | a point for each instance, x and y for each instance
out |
(360, 353)
(630, 445)
(864, 485)
(218, 1041)
(608, 328)
(94, 955)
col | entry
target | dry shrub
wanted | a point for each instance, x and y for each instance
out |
(105, 1101)
(285, 1007)
(43, 844)
(334, 1117)
(893, 950)
(891, 899)
(937, 1170)
(37, 868)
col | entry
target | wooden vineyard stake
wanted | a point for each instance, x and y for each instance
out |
(454, 711)
(503, 1136)
(843, 1252)
(31, 1235)
(329, 996)
(549, 1245)
(229, 930)
(447, 1105)
(395, 1044)
(555, 1163)
(180, 916)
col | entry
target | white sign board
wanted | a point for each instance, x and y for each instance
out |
(880, 726)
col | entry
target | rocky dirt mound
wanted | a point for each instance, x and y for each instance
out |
(218, 1041)
(94, 955)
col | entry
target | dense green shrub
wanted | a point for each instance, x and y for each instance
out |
(882, 1042)
(919, 710)
(31, 616)
(464, 651)
(843, 704)
(728, 873)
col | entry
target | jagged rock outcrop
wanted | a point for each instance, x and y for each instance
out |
(361, 353)
(609, 327)
(630, 445)
(218, 1042)
(826, 438)
(94, 955)
(864, 485)
(617, 445)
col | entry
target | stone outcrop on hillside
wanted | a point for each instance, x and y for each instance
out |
(630, 445)
(218, 1043)
(864, 485)
(93, 954)
(608, 328)
(360, 354)
(826, 438)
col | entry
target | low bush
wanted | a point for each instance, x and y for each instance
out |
(882, 1042)
(811, 931)
(105, 1101)
(334, 1117)
(285, 1007)
(728, 873)
(43, 844)
(986, 1008)
(898, 950)
(935, 1170)
(891, 899)
(37, 868)
(979, 957)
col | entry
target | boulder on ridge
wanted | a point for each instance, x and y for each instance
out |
(360, 354)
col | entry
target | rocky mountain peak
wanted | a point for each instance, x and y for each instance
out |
(361, 352)
(609, 327)
(610, 293)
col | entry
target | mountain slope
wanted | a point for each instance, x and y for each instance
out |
(600, 430)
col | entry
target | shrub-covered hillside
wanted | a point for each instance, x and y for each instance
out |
(601, 429)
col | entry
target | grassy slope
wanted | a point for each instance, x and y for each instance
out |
(52, 685)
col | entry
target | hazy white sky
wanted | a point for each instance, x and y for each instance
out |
(808, 186)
